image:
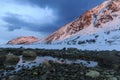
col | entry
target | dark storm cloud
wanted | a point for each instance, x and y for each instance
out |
(15, 22)
(68, 10)
(39, 17)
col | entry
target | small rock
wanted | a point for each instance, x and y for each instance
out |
(44, 77)
(109, 76)
(46, 64)
(112, 78)
(13, 77)
(9, 68)
(35, 73)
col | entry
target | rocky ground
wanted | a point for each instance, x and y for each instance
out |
(108, 67)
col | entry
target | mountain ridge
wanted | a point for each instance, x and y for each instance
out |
(96, 17)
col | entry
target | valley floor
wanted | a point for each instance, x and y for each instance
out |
(53, 64)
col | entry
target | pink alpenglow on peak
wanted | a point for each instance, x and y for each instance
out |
(90, 22)
(24, 40)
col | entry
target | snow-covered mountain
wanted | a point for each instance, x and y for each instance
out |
(100, 24)
(97, 29)
(24, 40)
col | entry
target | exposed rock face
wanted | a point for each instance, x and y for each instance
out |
(95, 17)
(71, 28)
(24, 40)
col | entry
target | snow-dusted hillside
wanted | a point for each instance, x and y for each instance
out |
(23, 40)
(106, 35)
(100, 17)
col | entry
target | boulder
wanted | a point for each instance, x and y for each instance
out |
(118, 54)
(11, 59)
(109, 60)
(29, 54)
(93, 74)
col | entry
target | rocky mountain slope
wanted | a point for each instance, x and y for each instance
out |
(24, 40)
(97, 21)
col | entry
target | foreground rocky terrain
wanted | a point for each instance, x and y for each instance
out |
(108, 67)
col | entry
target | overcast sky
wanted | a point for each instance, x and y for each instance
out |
(38, 18)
